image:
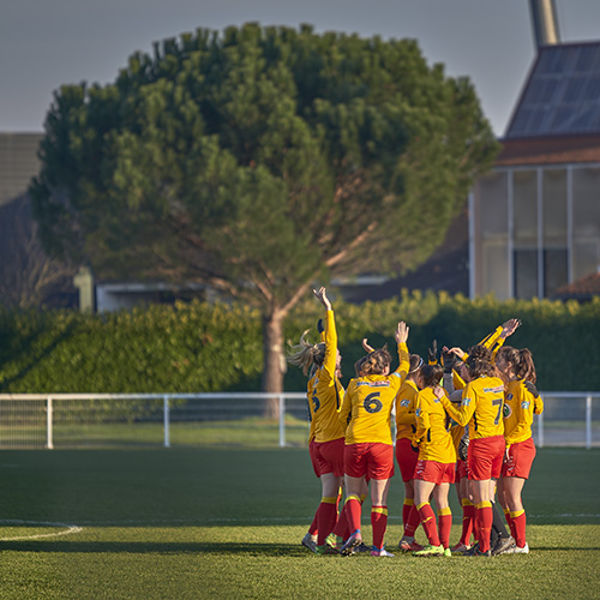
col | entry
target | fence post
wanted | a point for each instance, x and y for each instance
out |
(49, 440)
(166, 421)
(281, 421)
(541, 429)
(588, 422)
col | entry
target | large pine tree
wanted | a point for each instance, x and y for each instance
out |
(260, 160)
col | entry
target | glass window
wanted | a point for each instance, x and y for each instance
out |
(525, 208)
(525, 273)
(554, 186)
(495, 270)
(586, 202)
(555, 269)
(493, 207)
(586, 258)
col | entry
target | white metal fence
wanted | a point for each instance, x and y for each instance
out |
(101, 420)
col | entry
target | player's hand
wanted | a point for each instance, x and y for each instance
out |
(458, 352)
(401, 333)
(321, 296)
(432, 352)
(509, 327)
(448, 359)
(532, 389)
(366, 346)
(438, 391)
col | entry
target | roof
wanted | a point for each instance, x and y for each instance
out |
(18, 163)
(556, 150)
(582, 289)
(562, 93)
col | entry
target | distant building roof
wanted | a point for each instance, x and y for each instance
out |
(556, 150)
(18, 163)
(561, 95)
(582, 289)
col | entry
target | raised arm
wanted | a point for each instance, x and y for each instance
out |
(330, 336)
(401, 337)
(461, 414)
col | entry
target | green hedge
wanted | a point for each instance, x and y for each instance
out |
(201, 347)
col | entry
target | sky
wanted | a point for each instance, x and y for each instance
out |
(47, 43)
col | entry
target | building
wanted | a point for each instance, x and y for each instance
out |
(535, 219)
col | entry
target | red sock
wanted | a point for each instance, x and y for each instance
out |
(413, 522)
(379, 518)
(406, 508)
(326, 518)
(467, 522)
(354, 512)
(483, 519)
(509, 521)
(428, 521)
(445, 525)
(341, 527)
(314, 529)
(519, 522)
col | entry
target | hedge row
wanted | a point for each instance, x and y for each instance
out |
(202, 347)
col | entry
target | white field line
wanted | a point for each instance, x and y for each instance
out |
(68, 529)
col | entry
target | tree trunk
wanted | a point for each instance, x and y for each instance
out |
(274, 360)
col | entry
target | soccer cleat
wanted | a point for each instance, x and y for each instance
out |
(309, 542)
(326, 549)
(430, 550)
(504, 546)
(408, 546)
(381, 552)
(362, 548)
(460, 548)
(475, 551)
(447, 552)
(523, 550)
(351, 543)
(331, 541)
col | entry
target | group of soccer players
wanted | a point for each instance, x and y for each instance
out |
(462, 418)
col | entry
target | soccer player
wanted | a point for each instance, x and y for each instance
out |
(321, 362)
(518, 368)
(406, 400)
(369, 450)
(481, 409)
(436, 464)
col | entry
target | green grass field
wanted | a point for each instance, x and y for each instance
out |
(204, 523)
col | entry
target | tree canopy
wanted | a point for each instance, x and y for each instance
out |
(259, 160)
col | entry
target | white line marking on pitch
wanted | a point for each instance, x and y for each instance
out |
(69, 529)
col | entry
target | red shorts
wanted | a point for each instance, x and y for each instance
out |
(435, 472)
(327, 457)
(520, 459)
(374, 461)
(407, 459)
(462, 469)
(485, 457)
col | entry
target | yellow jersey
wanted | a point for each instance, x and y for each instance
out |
(325, 392)
(518, 413)
(435, 443)
(481, 407)
(406, 400)
(369, 401)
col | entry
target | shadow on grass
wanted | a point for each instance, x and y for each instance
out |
(225, 548)
(258, 549)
